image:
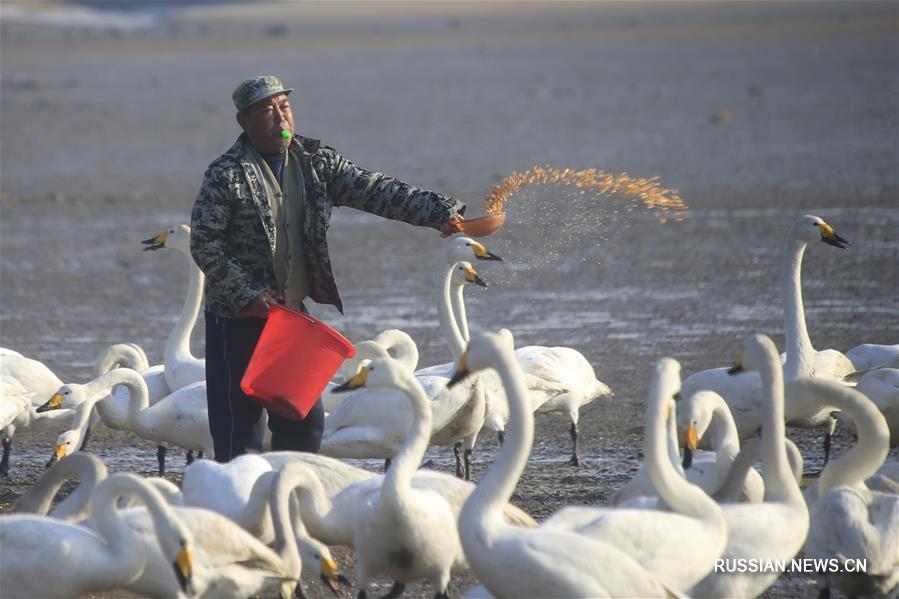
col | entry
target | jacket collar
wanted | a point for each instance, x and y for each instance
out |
(240, 150)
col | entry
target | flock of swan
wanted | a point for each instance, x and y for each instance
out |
(265, 523)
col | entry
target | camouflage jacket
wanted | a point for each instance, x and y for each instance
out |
(233, 234)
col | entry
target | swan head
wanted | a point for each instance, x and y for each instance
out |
(811, 229)
(464, 273)
(694, 419)
(316, 557)
(666, 380)
(68, 396)
(66, 444)
(759, 353)
(466, 248)
(178, 237)
(381, 373)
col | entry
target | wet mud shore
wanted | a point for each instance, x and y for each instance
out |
(756, 112)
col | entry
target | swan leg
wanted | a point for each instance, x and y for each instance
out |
(395, 591)
(190, 456)
(387, 463)
(4, 461)
(160, 457)
(467, 464)
(456, 448)
(85, 438)
(575, 460)
(501, 437)
(200, 455)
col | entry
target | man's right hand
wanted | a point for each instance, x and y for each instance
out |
(259, 307)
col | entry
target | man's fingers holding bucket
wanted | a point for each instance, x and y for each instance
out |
(259, 307)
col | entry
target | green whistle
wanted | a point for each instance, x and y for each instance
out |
(285, 133)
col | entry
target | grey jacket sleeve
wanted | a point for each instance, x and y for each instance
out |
(356, 187)
(211, 222)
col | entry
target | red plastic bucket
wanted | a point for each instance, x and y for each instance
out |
(293, 361)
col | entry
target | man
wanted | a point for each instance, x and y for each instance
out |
(258, 233)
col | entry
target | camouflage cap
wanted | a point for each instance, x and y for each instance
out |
(257, 88)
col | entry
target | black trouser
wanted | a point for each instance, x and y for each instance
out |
(233, 416)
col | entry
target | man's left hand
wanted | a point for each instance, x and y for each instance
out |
(452, 226)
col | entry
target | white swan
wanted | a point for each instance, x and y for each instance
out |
(870, 355)
(567, 368)
(90, 471)
(33, 375)
(329, 510)
(742, 392)
(15, 399)
(849, 521)
(45, 557)
(242, 490)
(659, 540)
(76, 506)
(85, 417)
(179, 418)
(366, 351)
(225, 557)
(373, 423)
(405, 533)
(775, 529)
(516, 562)
(181, 367)
(35, 378)
(881, 386)
(706, 412)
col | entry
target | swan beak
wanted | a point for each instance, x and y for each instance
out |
(471, 276)
(461, 370)
(53, 403)
(691, 441)
(58, 454)
(354, 383)
(330, 575)
(154, 243)
(183, 568)
(481, 253)
(829, 236)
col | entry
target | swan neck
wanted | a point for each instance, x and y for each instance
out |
(314, 502)
(873, 445)
(723, 436)
(177, 346)
(672, 487)
(730, 489)
(252, 515)
(448, 325)
(77, 505)
(398, 479)
(459, 312)
(285, 539)
(125, 556)
(138, 395)
(485, 504)
(800, 353)
(779, 482)
(406, 352)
